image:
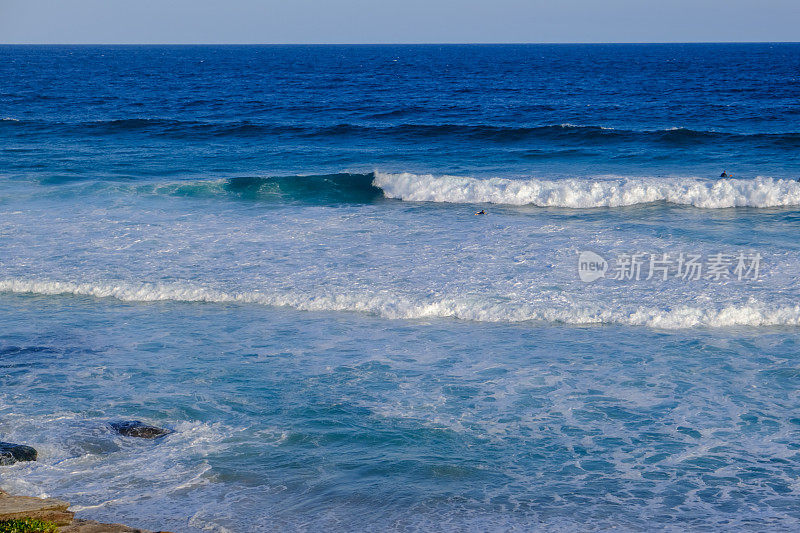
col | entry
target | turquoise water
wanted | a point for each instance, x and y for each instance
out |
(299, 420)
(273, 251)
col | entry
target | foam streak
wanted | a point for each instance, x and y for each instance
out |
(390, 306)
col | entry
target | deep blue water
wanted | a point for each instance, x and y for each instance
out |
(273, 250)
(216, 111)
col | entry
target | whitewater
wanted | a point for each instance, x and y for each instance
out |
(751, 313)
(588, 193)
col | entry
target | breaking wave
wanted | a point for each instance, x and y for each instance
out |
(588, 193)
(751, 313)
(575, 193)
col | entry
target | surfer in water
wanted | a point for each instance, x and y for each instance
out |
(724, 175)
(481, 212)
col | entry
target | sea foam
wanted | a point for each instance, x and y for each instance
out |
(393, 306)
(589, 193)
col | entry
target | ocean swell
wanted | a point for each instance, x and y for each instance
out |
(315, 189)
(481, 132)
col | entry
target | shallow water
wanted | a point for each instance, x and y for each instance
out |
(293, 419)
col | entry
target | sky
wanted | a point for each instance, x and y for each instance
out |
(396, 21)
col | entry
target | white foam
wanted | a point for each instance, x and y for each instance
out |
(114, 482)
(588, 193)
(392, 306)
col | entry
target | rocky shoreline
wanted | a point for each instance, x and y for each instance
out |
(57, 511)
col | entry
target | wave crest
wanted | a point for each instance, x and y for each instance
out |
(316, 189)
(586, 193)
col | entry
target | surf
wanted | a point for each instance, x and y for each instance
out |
(587, 193)
(371, 187)
(398, 306)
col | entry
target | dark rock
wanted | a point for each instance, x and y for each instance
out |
(134, 428)
(12, 453)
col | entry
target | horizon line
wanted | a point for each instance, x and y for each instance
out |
(451, 43)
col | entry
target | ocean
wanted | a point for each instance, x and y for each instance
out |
(274, 251)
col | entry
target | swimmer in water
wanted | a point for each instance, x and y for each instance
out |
(481, 212)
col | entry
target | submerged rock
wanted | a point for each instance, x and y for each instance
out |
(12, 453)
(134, 428)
